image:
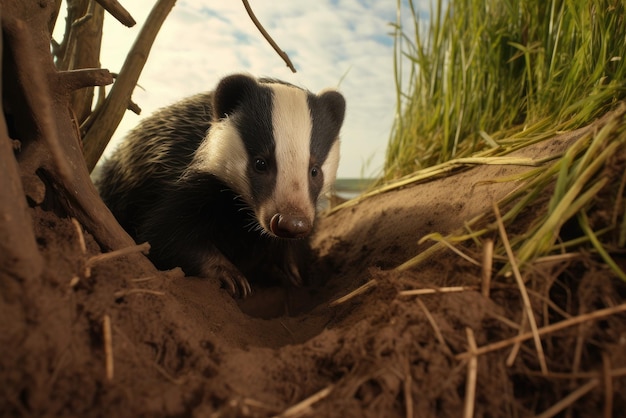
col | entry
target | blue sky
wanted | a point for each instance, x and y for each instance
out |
(332, 43)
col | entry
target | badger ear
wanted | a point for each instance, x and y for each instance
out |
(336, 105)
(230, 92)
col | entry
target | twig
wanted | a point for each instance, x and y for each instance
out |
(516, 347)
(267, 37)
(451, 289)
(118, 12)
(619, 372)
(143, 279)
(304, 405)
(472, 372)
(84, 77)
(504, 320)
(438, 238)
(522, 289)
(355, 292)
(257, 404)
(556, 258)
(81, 237)
(118, 253)
(84, 19)
(568, 400)
(433, 324)
(122, 293)
(83, 249)
(608, 385)
(487, 266)
(601, 313)
(578, 348)
(108, 347)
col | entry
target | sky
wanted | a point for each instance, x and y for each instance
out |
(343, 44)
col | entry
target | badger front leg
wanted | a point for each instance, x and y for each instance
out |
(196, 257)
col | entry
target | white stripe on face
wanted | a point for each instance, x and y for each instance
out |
(292, 124)
(223, 154)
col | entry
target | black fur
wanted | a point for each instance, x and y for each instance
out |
(190, 216)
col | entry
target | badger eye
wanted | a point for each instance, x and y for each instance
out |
(260, 165)
(315, 171)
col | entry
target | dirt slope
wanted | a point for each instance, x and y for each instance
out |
(183, 347)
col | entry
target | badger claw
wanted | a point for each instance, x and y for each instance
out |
(229, 276)
(237, 287)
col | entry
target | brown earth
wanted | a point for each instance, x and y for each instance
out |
(183, 347)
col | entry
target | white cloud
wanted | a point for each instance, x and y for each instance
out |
(329, 41)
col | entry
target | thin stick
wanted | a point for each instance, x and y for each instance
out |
(118, 11)
(81, 237)
(451, 289)
(516, 347)
(118, 253)
(504, 320)
(433, 324)
(143, 279)
(121, 293)
(355, 292)
(472, 371)
(522, 289)
(84, 77)
(487, 266)
(601, 313)
(302, 406)
(578, 349)
(452, 248)
(267, 36)
(619, 372)
(608, 385)
(556, 257)
(108, 347)
(83, 248)
(569, 399)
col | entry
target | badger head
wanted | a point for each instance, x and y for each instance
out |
(276, 146)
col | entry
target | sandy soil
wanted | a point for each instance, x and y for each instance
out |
(182, 347)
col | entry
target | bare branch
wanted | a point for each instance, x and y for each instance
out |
(118, 12)
(24, 53)
(266, 35)
(87, 77)
(113, 108)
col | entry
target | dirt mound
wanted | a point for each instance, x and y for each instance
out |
(106, 337)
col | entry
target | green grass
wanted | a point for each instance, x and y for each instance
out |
(490, 77)
(485, 72)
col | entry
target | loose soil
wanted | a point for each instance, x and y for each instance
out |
(183, 347)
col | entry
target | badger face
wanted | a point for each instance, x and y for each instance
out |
(276, 146)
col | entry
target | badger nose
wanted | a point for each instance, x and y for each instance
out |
(288, 226)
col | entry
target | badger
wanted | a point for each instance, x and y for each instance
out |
(225, 184)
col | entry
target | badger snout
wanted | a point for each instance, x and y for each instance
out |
(290, 226)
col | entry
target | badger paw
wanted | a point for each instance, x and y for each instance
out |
(229, 276)
(238, 287)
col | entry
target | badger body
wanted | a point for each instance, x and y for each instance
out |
(225, 184)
